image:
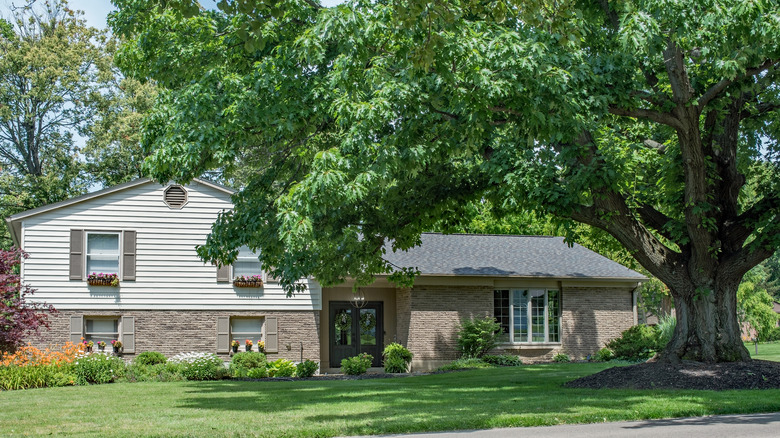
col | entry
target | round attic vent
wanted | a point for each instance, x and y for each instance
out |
(175, 196)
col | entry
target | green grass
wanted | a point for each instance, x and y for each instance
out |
(514, 396)
(766, 351)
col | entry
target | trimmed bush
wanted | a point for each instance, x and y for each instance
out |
(639, 342)
(503, 360)
(257, 373)
(243, 362)
(200, 366)
(281, 368)
(36, 376)
(604, 355)
(396, 358)
(774, 335)
(478, 336)
(469, 363)
(356, 365)
(98, 368)
(307, 368)
(561, 358)
(150, 358)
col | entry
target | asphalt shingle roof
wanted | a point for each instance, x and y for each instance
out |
(507, 256)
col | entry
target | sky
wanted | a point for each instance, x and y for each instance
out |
(95, 11)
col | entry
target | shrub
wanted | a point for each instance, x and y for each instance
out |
(666, 326)
(248, 360)
(35, 376)
(774, 335)
(150, 358)
(257, 373)
(307, 368)
(281, 368)
(356, 365)
(469, 363)
(161, 372)
(21, 316)
(478, 336)
(200, 366)
(639, 342)
(503, 360)
(604, 355)
(561, 358)
(397, 358)
(98, 368)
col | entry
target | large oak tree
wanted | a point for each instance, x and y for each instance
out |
(378, 120)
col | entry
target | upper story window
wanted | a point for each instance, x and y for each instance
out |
(246, 264)
(528, 315)
(103, 253)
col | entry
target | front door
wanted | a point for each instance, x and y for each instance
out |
(354, 331)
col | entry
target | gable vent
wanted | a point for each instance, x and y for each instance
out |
(175, 196)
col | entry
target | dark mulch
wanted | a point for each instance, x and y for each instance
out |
(755, 374)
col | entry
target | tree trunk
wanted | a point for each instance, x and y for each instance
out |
(707, 327)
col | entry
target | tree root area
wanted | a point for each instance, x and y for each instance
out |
(753, 374)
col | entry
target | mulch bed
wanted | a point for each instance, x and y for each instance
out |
(754, 374)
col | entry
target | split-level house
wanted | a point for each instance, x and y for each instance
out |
(549, 297)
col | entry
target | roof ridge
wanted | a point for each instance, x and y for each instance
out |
(489, 235)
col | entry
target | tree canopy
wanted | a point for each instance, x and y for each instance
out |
(375, 121)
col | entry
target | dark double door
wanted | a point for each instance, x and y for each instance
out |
(354, 331)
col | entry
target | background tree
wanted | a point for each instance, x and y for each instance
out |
(58, 82)
(383, 119)
(113, 147)
(755, 304)
(19, 318)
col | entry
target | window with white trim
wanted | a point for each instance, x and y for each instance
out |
(528, 315)
(246, 264)
(242, 329)
(104, 329)
(102, 253)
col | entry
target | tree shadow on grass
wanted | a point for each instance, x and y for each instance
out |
(523, 396)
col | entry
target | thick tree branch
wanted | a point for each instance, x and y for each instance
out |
(718, 88)
(655, 219)
(654, 116)
(652, 144)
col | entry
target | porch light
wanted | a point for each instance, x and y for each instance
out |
(359, 299)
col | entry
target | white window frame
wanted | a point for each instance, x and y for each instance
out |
(118, 332)
(253, 257)
(243, 335)
(118, 235)
(529, 312)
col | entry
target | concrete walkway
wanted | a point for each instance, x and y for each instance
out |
(719, 426)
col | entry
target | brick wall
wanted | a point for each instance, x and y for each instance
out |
(178, 331)
(593, 316)
(435, 313)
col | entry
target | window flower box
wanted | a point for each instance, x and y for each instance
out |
(248, 281)
(101, 279)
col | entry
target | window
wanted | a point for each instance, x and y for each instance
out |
(242, 329)
(528, 315)
(246, 263)
(101, 329)
(103, 253)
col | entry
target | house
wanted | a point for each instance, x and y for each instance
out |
(548, 297)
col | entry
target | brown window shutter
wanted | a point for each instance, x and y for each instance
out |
(223, 334)
(128, 334)
(76, 254)
(128, 256)
(223, 274)
(271, 334)
(76, 328)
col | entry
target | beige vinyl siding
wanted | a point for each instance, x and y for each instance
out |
(168, 275)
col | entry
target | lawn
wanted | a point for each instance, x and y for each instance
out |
(522, 396)
(766, 351)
